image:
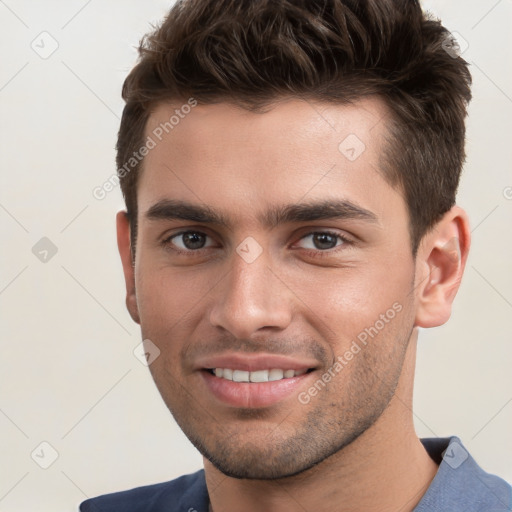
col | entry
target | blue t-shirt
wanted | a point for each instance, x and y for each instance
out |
(460, 485)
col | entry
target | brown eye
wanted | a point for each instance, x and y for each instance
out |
(321, 241)
(190, 240)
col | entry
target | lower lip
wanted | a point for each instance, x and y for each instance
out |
(250, 395)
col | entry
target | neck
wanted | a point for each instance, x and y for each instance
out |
(385, 469)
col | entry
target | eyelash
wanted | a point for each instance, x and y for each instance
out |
(316, 253)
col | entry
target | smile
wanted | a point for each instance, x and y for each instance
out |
(270, 375)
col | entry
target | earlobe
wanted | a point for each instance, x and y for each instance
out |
(439, 268)
(124, 246)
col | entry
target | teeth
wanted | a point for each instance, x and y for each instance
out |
(275, 374)
(240, 376)
(256, 376)
(259, 376)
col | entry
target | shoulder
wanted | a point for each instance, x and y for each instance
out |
(187, 493)
(461, 484)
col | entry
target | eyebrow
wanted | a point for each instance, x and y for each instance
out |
(170, 209)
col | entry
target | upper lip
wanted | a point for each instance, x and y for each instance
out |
(254, 362)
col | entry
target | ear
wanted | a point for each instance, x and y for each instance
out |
(440, 264)
(124, 246)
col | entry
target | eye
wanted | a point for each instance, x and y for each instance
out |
(189, 241)
(322, 241)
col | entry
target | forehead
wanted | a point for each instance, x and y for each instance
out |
(231, 158)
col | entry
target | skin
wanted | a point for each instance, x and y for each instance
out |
(353, 445)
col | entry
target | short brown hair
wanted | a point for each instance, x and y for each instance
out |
(254, 52)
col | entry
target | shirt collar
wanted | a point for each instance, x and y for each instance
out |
(460, 485)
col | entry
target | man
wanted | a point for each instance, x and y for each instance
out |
(289, 169)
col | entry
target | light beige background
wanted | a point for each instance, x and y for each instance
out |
(68, 376)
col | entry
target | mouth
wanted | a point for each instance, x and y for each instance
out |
(243, 380)
(256, 381)
(258, 376)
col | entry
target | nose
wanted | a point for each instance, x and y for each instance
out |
(250, 298)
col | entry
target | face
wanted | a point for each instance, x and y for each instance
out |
(274, 273)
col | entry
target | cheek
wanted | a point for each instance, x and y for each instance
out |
(170, 299)
(341, 303)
